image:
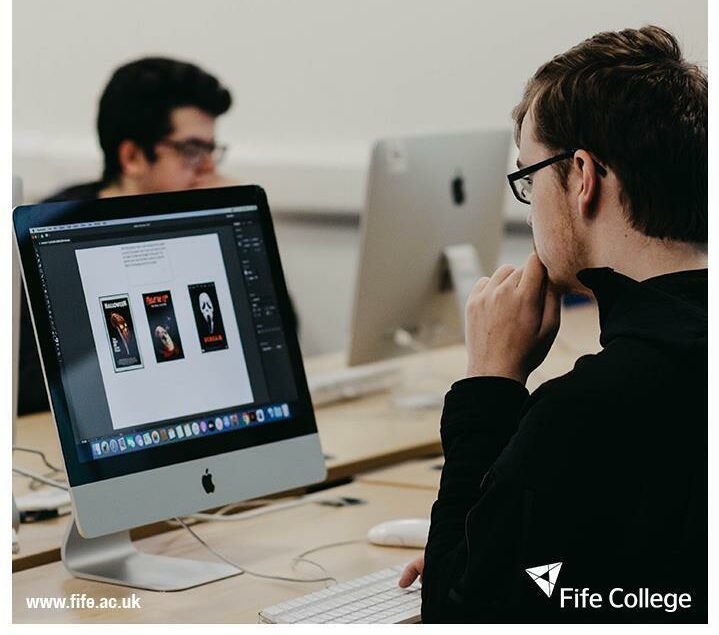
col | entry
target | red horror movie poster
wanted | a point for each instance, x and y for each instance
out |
(208, 316)
(121, 333)
(164, 331)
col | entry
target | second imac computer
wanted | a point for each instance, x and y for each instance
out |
(173, 371)
(432, 226)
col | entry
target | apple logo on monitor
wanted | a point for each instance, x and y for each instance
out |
(458, 195)
(207, 483)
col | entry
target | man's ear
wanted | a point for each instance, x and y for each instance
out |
(132, 158)
(588, 195)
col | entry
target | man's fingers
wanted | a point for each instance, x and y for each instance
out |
(499, 276)
(481, 283)
(515, 277)
(504, 273)
(409, 575)
(533, 276)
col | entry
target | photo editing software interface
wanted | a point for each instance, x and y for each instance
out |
(166, 328)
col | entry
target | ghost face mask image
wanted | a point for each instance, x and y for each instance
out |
(208, 316)
(208, 311)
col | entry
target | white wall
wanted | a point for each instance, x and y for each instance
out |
(314, 82)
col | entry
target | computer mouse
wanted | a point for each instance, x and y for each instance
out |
(404, 532)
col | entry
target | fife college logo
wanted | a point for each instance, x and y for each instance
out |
(545, 576)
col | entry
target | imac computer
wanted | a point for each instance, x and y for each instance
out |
(431, 227)
(174, 373)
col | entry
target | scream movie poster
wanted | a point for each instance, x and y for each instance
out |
(208, 317)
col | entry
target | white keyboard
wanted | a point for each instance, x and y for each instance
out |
(354, 382)
(371, 599)
(49, 499)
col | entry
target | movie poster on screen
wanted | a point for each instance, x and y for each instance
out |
(208, 317)
(164, 331)
(121, 333)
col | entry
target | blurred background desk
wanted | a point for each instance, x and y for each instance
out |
(418, 473)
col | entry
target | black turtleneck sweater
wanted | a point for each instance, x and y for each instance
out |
(603, 469)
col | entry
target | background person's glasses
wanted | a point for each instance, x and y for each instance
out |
(521, 180)
(194, 152)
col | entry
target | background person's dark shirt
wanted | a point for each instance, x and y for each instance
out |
(603, 469)
(32, 396)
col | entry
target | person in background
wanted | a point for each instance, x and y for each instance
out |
(597, 481)
(156, 127)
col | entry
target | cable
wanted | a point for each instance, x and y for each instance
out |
(271, 507)
(47, 463)
(41, 478)
(221, 513)
(302, 557)
(34, 483)
(37, 485)
(244, 570)
(329, 546)
(255, 502)
(253, 513)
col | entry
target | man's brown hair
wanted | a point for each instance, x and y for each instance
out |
(633, 102)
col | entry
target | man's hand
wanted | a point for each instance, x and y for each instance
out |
(512, 319)
(411, 571)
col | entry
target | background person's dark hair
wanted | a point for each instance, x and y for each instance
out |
(630, 98)
(137, 102)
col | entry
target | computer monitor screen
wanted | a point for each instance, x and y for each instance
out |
(164, 327)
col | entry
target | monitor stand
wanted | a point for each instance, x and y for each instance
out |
(114, 559)
(461, 270)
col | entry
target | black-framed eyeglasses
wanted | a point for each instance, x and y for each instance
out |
(194, 152)
(521, 180)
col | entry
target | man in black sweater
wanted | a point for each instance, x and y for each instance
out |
(586, 501)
